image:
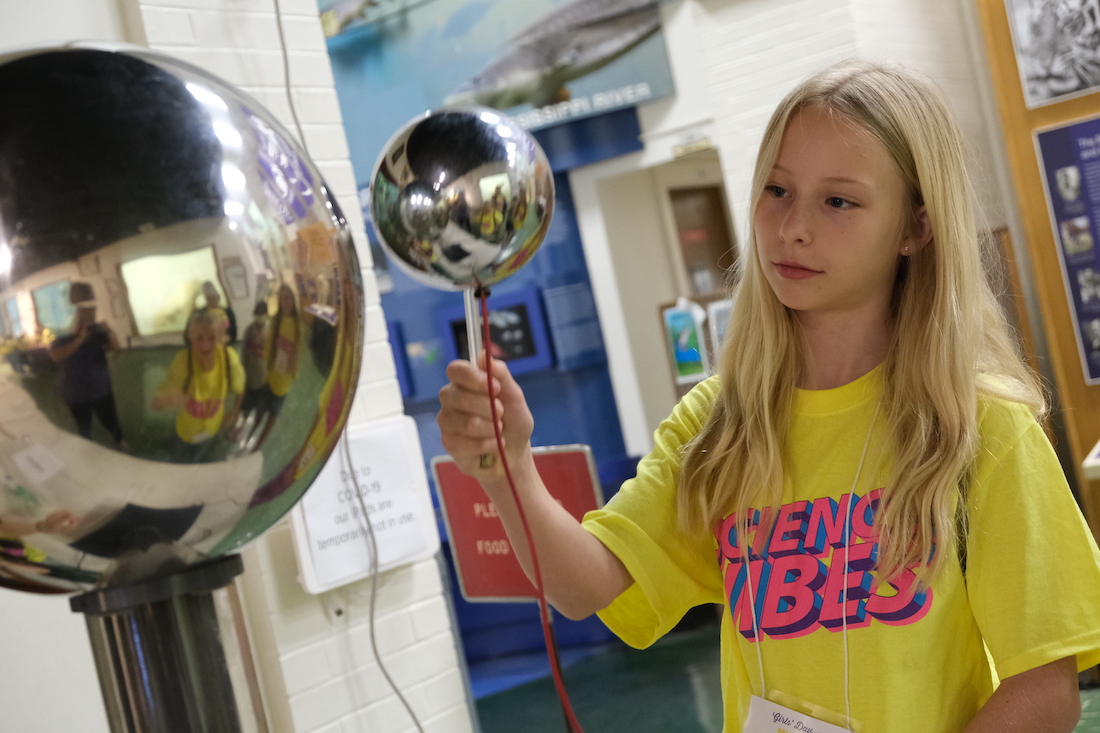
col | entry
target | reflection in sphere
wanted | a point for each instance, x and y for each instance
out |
(180, 315)
(461, 198)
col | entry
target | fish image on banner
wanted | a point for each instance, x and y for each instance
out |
(559, 47)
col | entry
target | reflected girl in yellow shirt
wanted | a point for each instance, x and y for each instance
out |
(199, 381)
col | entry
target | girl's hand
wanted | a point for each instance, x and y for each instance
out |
(465, 420)
(60, 521)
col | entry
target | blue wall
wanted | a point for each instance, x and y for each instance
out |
(572, 400)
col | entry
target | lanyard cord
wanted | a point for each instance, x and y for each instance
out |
(747, 554)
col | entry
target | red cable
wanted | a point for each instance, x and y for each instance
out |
(544, 609)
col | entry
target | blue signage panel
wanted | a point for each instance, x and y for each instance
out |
(1070, 158)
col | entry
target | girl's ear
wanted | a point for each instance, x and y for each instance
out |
(920, 233)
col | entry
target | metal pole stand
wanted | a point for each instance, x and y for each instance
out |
(172, 652)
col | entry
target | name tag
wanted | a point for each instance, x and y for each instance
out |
(768, 717)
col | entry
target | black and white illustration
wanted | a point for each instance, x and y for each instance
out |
(1057, 47)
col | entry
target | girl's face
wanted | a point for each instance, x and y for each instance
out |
(286, 301)
(204, 339)
(829, 225)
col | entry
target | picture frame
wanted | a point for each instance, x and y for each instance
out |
(718, 319)
(519, 335)
(1055, 53)
(687, 343)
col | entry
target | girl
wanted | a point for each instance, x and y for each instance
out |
(864, 486)
(198, 383)
(283, 340)
(282, 348)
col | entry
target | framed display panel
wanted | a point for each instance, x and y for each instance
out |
(487, 569)
(1069, 157)
(1021, 122)
(517, 330)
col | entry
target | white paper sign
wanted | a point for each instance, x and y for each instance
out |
(38, 463)
(330, 531)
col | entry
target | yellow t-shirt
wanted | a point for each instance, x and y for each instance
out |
(917, 661)
(280, 375)
(202, 416)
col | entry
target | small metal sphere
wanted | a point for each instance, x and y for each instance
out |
(461, 198)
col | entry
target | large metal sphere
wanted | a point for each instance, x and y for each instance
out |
(166, 250)
(461, 197)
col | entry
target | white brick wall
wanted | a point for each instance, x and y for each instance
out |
(755, 51)
(317, 670)
(931, 37)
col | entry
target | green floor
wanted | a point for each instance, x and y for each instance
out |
(670, 688)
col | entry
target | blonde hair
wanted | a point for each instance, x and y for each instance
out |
(277, 324)
(201, 319)
(951, 342)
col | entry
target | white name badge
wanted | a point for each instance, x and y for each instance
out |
(768, 717)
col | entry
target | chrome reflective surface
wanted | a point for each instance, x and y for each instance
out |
(172, 653)
(180, 312)
(461, 197)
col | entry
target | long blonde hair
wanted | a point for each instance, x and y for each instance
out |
(951, 342)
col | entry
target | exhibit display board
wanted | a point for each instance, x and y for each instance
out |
(1035, 160)
(1070, 159)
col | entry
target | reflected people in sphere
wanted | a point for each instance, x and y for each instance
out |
(224, 317)
(83, 374)
(254, 356)
(175, 204)
(282, 343)
(201, 378)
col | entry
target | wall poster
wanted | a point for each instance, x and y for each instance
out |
(1070, 162)
(1057, 46)
(542, 62)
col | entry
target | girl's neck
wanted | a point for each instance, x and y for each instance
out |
(841, 350)
(206, 361)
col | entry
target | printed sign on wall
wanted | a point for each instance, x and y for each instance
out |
(488, 570)
(1070, 160)
(387, 472)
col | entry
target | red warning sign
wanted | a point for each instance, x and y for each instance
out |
(487, 568)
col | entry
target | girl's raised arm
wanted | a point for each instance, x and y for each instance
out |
(580, 575)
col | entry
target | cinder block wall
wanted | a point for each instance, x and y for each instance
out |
(757, 50)
(317, 671)
(754, 52)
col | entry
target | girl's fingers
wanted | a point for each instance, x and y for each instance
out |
(466, 424)
(458, 401)
(465, 375)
